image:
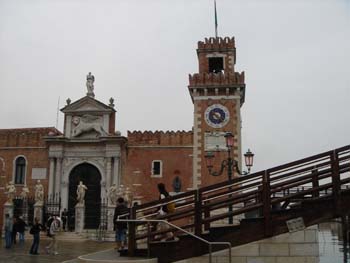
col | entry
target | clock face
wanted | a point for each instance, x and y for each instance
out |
(217, 115)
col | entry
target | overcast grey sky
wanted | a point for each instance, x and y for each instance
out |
(295, 54)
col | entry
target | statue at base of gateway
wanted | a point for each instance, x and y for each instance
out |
(112, 194)
(39, 193)
(81, 189)
(10, 192)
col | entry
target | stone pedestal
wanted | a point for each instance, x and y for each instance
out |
(38, 211)
(110, 216)
(79, 218)
(8, 209)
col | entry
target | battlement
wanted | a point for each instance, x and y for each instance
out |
(216, 79)
(26, 137)
(217, 43)
(160, 138)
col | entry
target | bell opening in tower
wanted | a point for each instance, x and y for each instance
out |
(216, 65)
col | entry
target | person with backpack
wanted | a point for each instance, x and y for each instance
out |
(163, 193)
(35, 231)
(48, 224)
(164, 209)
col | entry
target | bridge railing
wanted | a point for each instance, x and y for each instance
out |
(324, 175)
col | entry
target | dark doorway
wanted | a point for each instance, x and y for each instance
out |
(91, 177)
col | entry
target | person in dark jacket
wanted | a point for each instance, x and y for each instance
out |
(8, 230)
(14, 230)
(163, 210)
(120, 227)
(64, 217)
(163, 193)
(21, 227)
(35, 231)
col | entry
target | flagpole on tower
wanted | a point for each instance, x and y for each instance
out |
(216, 21)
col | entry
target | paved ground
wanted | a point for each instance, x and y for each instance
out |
(68, 250)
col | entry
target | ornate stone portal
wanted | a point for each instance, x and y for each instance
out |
(89, 138)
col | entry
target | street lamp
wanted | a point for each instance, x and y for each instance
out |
(229, 163)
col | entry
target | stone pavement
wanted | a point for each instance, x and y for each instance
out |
(67, 249)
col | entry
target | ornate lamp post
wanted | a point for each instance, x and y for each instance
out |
(229, 164)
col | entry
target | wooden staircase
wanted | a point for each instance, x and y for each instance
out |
(314, 188)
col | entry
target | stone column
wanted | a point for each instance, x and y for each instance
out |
(51, 176)
(58, 176)
(108, 172)
(79, 218)
(38, 212)
(110, 215)
(64, 194)
(115, 175)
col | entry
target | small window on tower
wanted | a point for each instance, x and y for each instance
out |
(216, 65)
(157, 168)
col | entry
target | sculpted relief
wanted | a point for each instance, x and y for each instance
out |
(86, 124)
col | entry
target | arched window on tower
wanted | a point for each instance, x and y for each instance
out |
(20, 170)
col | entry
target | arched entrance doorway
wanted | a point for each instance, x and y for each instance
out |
(91, 177)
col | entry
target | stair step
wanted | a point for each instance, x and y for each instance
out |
(138, 252)
(166, 241)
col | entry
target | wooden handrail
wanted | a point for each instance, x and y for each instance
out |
(260, 191)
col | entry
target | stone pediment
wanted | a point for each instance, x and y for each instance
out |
(88, 118)
(87, 104)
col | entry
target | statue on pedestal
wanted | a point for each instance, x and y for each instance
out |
(25, 192)
(11, 192)
(128, 196)
(90, 79)
(39, 193)
(112, 194)
(81, 193)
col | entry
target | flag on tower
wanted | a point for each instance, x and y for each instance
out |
(216, 20)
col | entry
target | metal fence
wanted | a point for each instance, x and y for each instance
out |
(102, 229)
(52, 206)
(24, 207)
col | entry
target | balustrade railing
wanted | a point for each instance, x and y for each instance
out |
(325, 175)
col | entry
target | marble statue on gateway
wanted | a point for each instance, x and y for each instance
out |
(90, 79)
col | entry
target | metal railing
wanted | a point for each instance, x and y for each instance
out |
(148, 221)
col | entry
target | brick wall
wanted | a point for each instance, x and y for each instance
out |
(174, 149)
(29, 144)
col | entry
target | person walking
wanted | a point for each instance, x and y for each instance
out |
(163, 193)
(164, 209)
(21, 226)
(54, 228)
(35, 231)
(120, 227)
(8, 231)
(64, 217)
(14, 230)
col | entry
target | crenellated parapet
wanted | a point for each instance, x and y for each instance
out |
(217, 43)
(26, 137)
(216, 79)
(160, 138)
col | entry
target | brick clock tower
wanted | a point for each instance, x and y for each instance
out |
(217, 92)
